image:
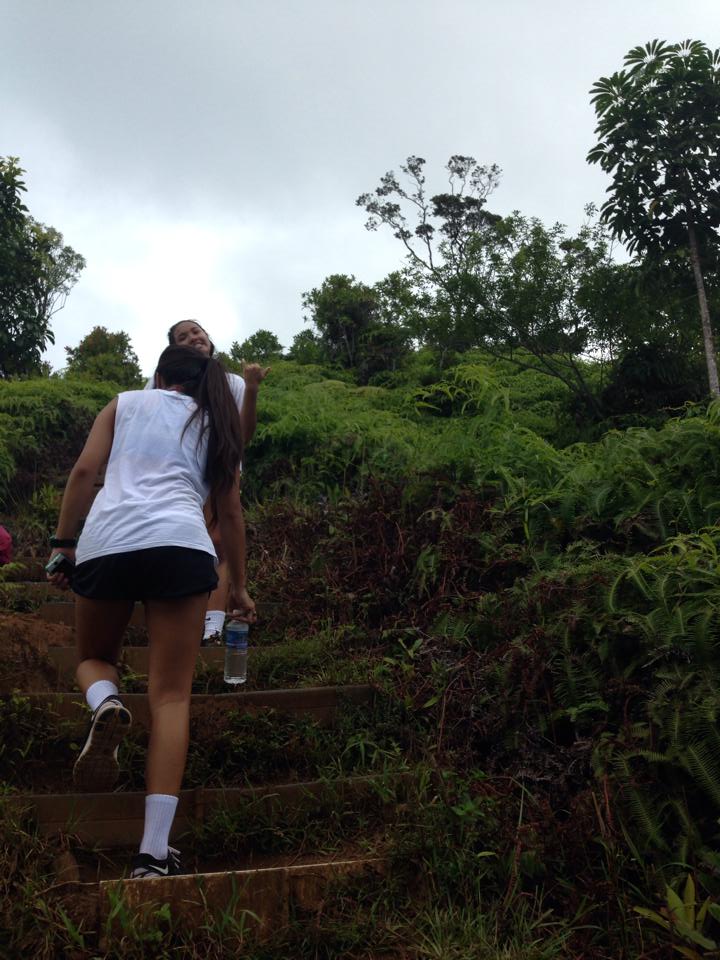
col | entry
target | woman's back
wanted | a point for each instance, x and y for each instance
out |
(154, 483)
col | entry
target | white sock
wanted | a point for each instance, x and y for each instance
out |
(214, 621)
(98, 691)
(159, 815)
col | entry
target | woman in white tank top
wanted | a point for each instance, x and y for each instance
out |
(167, 451)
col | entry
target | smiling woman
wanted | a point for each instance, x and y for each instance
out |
(189, 333)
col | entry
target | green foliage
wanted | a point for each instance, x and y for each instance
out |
(105, 356)
(261, 347)
(341, 310)
(643, 485)
(435, 295)
(318, 435)
(533, 562)
(525, 292)
(43, 426)
(685, 918)
(659, 140)
(542, 620)
(37, 271)
(351, 329)
(651, 376)
(306, 348)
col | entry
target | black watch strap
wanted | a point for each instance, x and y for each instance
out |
(63, 542)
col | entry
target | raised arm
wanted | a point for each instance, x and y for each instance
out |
(253, 375)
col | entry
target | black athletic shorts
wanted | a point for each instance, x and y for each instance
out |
(160, 573)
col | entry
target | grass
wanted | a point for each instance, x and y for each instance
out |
(308, 661)
(232, 748)
(362, 917)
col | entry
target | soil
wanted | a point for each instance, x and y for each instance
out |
(24, 640)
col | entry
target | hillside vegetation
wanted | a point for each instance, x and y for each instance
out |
(544, 614)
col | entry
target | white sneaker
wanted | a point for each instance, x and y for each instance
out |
(97, 768)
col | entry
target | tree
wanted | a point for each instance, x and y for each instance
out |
(518, 289)
(341, 309)
(102, 355)
(307, 348)
(353, 332)
(37, 272)
(402, 302)
(441, 245)
(660, 140)
(261, 347)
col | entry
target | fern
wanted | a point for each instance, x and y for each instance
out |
(649, 816)
(701, 762)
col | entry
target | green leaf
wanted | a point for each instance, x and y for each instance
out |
(654, 916)
(689, 900)
(675, 905)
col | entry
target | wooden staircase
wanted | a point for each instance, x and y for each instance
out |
(100, 831)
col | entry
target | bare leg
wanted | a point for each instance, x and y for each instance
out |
(217, 601)
(99, 629)
(175, 629)
(218, 598)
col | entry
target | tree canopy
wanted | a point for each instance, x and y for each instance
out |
(260, 347)
(102, 355)
(37, 272)
(660, 142)
(353, 330)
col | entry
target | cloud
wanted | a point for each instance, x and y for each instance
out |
(205, 157)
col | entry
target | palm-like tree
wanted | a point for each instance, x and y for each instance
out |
(659, 130)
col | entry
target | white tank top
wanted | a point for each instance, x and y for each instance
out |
(154, 490)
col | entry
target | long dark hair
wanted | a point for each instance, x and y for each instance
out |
(205, 380)
(171, 334)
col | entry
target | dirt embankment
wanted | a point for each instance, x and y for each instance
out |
(24, 642)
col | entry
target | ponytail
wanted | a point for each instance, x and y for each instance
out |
(205, 380)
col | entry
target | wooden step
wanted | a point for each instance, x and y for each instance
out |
(64, 661)
(320, 703)
(267, 893)
(116, 819)
(257, 899)
(64, 612)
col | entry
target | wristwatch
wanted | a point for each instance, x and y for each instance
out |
(66, 542)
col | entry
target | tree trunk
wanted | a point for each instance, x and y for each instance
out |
(708, 337)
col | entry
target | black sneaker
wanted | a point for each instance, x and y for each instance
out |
(213, 640)
(96, 769)
(144, 867)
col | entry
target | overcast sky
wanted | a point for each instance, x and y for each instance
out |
(205, 157)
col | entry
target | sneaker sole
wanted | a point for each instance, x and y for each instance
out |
(147, 873)
(97, 768)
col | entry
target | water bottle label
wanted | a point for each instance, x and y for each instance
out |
(237, 643)
(236, 635)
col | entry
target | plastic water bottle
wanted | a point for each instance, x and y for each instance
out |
(236, 651)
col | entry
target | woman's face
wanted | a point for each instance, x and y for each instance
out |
(189, 334)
